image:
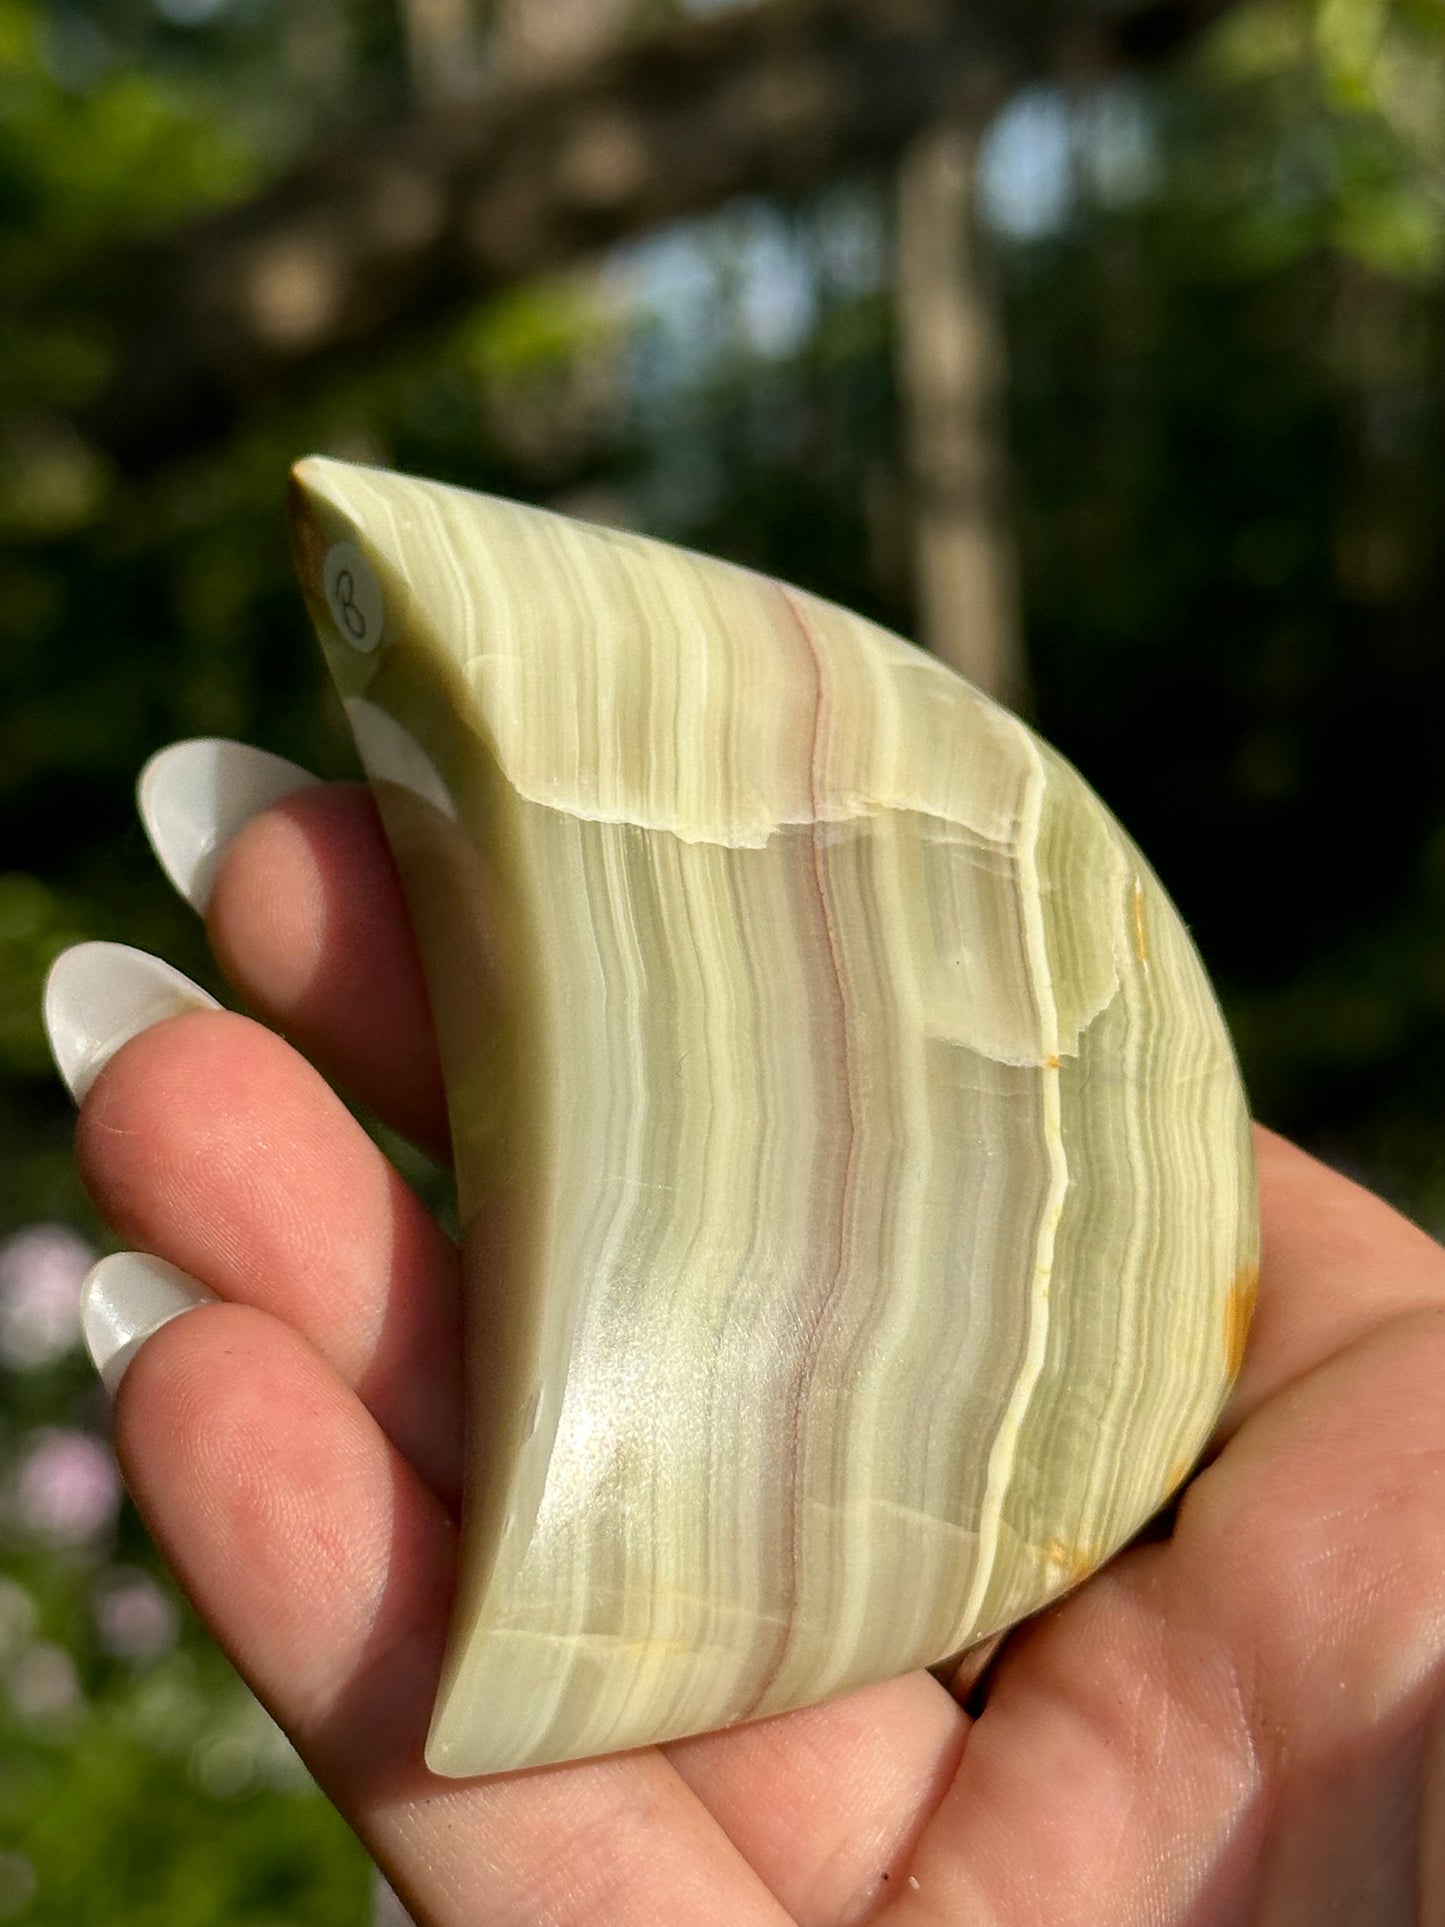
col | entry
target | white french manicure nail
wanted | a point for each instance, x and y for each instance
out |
(100, 995)
(195, 796)
(124, 1299)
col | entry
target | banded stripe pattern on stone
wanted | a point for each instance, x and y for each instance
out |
(853, 1164)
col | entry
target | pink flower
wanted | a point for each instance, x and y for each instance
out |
(134, 1618)
(41, 1271)
(67, 1488)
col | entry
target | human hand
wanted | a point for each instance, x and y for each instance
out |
(1240, 1721)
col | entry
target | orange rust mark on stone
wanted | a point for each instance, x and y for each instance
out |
(1069, 1564)
(1139, 943)
(1178, 1473)
(1238, 1312)
(1051, 1063)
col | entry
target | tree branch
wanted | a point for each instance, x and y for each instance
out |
(389, 229)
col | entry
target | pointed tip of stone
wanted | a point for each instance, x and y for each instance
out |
(332, 500)
(319, 475)
(318, 491)
(341, 496)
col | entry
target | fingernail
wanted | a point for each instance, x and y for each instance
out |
(100, 995)
(124, 1299)
(195, 796)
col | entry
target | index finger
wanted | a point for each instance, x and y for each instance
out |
(308, 920)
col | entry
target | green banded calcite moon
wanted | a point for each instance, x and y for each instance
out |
(857, 1194)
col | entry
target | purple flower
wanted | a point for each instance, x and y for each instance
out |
(67, 1488)
(134, 1618)
(41, 1271)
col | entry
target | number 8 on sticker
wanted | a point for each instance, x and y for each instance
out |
(353, 595)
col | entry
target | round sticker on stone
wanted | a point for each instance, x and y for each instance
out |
(353, 595)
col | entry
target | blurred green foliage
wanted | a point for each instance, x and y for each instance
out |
(1226, 327)
(139, 1782)
(169, 1798)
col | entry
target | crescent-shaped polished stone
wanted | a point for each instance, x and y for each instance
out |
(859, 1211)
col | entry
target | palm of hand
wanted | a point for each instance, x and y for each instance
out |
(1239, 1722)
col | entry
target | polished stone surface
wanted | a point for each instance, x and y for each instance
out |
(855, 1174)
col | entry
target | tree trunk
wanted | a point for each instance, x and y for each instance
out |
(951, 376)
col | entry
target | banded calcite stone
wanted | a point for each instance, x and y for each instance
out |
(859, 1213)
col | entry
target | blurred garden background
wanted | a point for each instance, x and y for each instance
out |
(1101, 345)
